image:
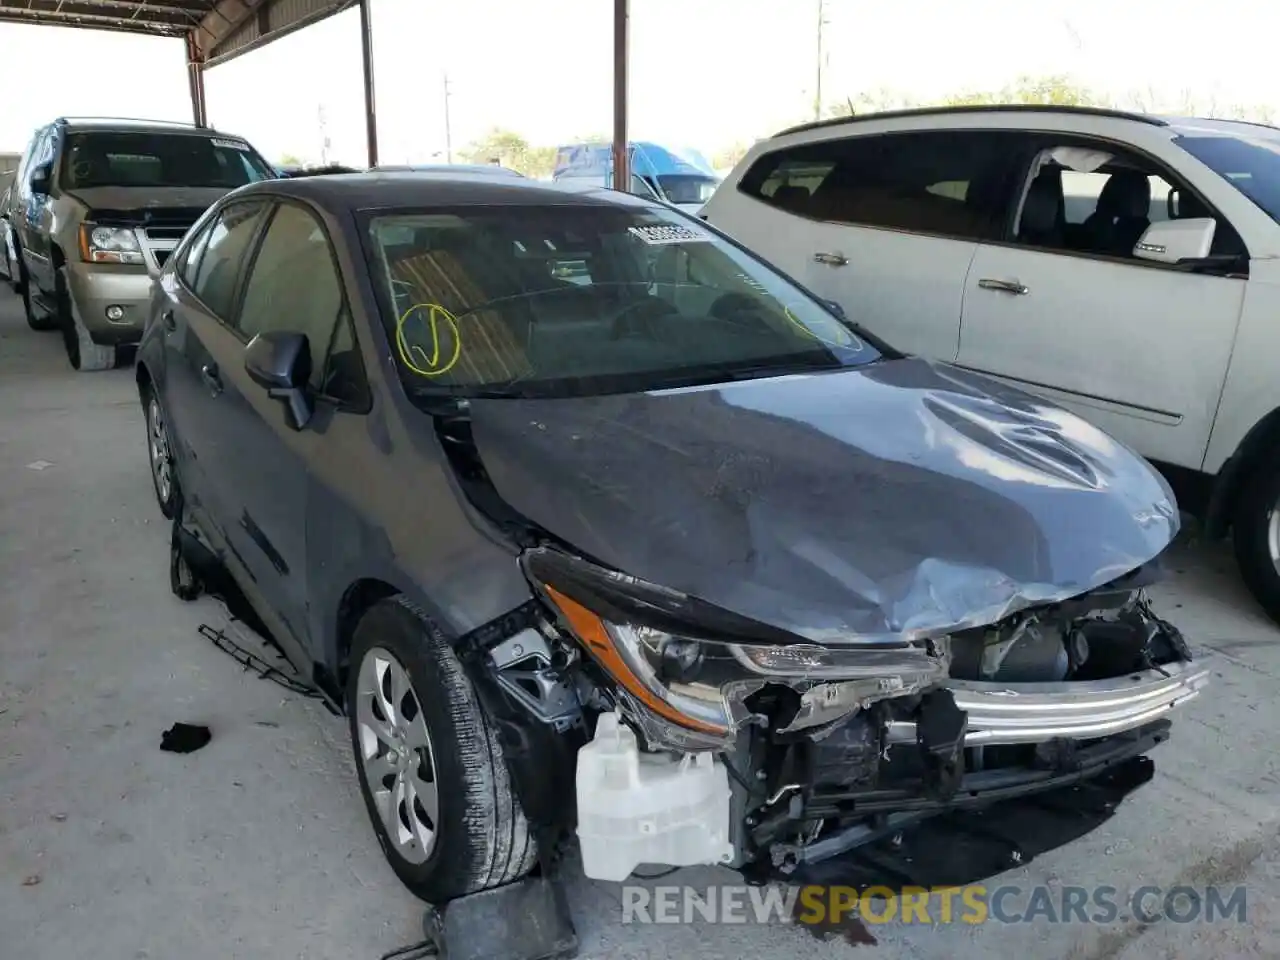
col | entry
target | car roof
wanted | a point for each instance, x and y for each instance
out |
(383, 190)
(129, 125)
(471, 168)
(1204, 126)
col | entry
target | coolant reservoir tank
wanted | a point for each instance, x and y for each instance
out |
(648, 808)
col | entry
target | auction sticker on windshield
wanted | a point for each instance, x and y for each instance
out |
(231, 144)
(659, 234)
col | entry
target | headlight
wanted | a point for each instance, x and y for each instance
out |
(108, 244)
(699, 685)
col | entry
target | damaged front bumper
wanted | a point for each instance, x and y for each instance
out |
(717, 741)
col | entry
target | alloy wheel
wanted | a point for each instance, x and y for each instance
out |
(158, 445)
(1273, 535)
(395, 752)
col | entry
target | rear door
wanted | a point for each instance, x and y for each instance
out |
(261, 474)
(196, 317)
(1062, 307)
(886, 225)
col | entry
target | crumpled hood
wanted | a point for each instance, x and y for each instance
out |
(860, 504)
(141, 199)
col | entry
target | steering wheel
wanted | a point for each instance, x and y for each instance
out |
(740, 309)
(637, 319)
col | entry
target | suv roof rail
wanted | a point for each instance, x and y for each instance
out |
(157, 123)
(978, 108)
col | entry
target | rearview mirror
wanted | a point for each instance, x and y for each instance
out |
(40, 179)
(280, 361)
(1175, 241)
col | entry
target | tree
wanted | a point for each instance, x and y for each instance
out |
(291, 160)
(511, 150)
(1056, 90)
(728, 158)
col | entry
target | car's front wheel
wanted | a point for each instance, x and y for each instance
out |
(1256, 534)
(34, 320)
(430, 766)
(82, 353)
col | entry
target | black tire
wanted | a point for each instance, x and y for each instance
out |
(167, 504)
(82, 353)
(1251, 534)
(41, 323)
(482, 838)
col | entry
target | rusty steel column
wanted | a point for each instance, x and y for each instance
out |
(370, 110)
(195, 81)
(621, 57)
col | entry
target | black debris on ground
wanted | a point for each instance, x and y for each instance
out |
(185, 738)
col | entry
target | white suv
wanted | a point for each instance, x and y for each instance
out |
(1124, 266)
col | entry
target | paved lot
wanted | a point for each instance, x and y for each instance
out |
(257, 846)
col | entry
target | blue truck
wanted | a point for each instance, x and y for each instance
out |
(680, 177)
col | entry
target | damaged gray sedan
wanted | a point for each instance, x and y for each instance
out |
(593, 524)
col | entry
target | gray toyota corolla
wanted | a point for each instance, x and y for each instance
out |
(592, 523)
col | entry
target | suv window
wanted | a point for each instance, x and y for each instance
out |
(216, 271)
(1095, 199)
(156, 159)
(951, 182)
(294, 285)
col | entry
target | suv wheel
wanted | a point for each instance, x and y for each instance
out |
(160, 451)
(430, 767)
(28, 308)
(1256, 534)
(83, 354)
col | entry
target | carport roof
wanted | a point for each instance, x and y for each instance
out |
(166, 18)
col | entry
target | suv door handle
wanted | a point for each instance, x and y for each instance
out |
(209, 374)
(169, 322)
(831, 259)
(1005, 286)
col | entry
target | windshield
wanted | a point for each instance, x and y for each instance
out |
(151, 159)
(576, 299)
(687, 188)
(1251, 165)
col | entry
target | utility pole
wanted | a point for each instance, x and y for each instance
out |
(448, 129)
(817, 93)
(323, 123)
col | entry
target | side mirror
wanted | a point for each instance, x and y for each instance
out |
(41, 178)
(280, 361)
(1176, 241)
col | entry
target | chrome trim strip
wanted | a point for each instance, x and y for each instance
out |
(1035, 712)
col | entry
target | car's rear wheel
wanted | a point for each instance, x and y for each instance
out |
(82, 353)
(1256, 534)
(430, 766)
(160, 451)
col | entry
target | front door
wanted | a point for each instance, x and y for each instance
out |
(261, 474)
(1139, 349)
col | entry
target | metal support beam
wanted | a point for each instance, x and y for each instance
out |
(621, 57)
(370, 109)
(195, 81)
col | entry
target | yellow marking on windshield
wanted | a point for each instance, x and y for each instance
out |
(414, 356)
(843, 338)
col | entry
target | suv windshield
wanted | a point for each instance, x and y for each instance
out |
(1251, 165)
(154, 159)
(576, 299)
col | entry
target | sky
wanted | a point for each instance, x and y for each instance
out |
(705, 73)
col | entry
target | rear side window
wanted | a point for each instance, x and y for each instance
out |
(955, 183)
(229, 237)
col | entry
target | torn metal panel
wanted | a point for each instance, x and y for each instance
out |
(894, 501)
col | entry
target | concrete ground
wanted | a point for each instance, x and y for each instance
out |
(257, 846)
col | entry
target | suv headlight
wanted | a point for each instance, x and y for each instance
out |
(108, 245)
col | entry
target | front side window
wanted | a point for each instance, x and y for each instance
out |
(230, 235)
(687, 188)
(576, 299)
(294, 286)
(953, 183)
(1250, 164)
(157, 159)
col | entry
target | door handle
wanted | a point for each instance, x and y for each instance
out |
(831, 259)
(1005, 286)
(169, 322)
(209, 374)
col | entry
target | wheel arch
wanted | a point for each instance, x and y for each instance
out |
(1262, 439)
